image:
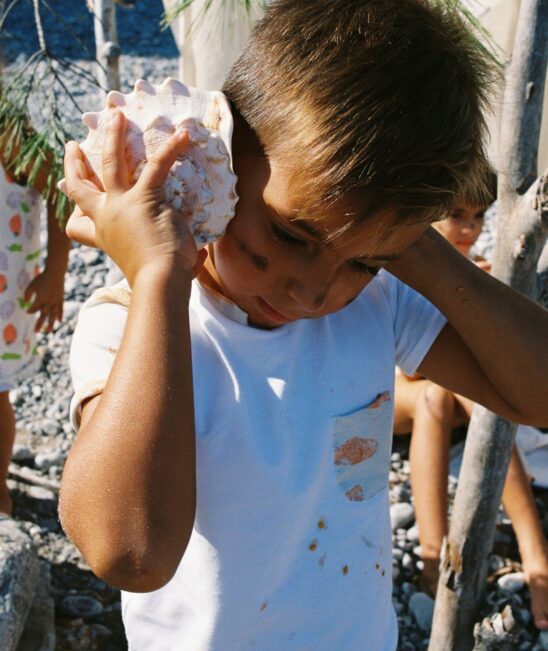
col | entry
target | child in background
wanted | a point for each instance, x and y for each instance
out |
(230, 472)
(25, 290)
(431, 413)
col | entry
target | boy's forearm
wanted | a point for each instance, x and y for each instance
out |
(506, 332)
(129, 489)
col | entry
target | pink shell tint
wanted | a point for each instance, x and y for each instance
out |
(202, 181)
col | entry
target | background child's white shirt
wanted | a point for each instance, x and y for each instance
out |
(292, 544)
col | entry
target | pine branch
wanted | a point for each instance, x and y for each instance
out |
(480, 38)
(33, 138)
(170, 15)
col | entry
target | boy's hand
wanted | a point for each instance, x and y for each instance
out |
(132, 224)
(45, 293)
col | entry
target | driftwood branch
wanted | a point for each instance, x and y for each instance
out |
(521, 237)
(29, 476)
(106, 43)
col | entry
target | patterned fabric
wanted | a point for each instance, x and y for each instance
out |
(19, 260)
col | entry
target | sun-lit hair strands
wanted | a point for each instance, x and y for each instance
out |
(382, 100)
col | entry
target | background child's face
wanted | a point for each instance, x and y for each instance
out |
(463, 226)
(275, 267)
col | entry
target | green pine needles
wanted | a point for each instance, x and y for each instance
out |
(38, 111)
(179, 6)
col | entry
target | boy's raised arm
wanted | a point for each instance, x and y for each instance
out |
(495, 348)
(128, 488)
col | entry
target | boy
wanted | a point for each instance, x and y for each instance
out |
(241, 498)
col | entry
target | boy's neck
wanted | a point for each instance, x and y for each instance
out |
(208, 274)
(244, 143)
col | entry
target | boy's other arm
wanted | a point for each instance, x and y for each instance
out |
(494, 350)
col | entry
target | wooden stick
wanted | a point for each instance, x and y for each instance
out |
(521, 236)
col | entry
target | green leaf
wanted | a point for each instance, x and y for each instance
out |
(15, 248)
(11, 356)
(34, 255)
(24, 305)
(25, 207)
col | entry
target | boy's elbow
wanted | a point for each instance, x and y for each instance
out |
(131, 569)
(131, 565)
(132, 572)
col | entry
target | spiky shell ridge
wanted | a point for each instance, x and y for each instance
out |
(202, 181)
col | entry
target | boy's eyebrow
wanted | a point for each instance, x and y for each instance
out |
(311, 230)
(306, 226)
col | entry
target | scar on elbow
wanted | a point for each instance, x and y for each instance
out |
(131, 573)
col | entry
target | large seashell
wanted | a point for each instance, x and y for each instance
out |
(201, 181)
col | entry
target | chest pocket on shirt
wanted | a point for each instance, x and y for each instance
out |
(362, 446)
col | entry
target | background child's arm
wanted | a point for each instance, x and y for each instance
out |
(46, 291)
(9, 151)
(495, 347)
(128, 489)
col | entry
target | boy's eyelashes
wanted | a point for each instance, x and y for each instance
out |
(362, 268)
(280, 235)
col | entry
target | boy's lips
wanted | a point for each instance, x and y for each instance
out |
(271, 313)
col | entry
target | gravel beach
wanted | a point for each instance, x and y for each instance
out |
(87, 611)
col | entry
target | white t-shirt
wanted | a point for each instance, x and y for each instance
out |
(291, 548)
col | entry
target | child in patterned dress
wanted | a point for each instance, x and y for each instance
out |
(25, 290)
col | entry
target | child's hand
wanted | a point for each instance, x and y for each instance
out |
(132, 224)
(45, 293)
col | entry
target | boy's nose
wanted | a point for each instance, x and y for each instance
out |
(310, 290)
(309, 299)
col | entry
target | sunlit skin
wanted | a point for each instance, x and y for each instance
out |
(275, 266)
(131, 424)
(463, 226)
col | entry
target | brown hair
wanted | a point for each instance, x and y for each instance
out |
(490, 194)
(380, 100)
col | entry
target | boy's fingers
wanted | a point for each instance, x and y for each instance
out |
(77, 184)
(81, 228)
(113, 165)
(155, 171)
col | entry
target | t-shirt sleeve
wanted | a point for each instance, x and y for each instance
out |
(94, 345)
(417, 324)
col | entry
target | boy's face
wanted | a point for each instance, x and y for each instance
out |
(276, 268)
(463, 226)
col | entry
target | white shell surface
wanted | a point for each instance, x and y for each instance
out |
(202, 181)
